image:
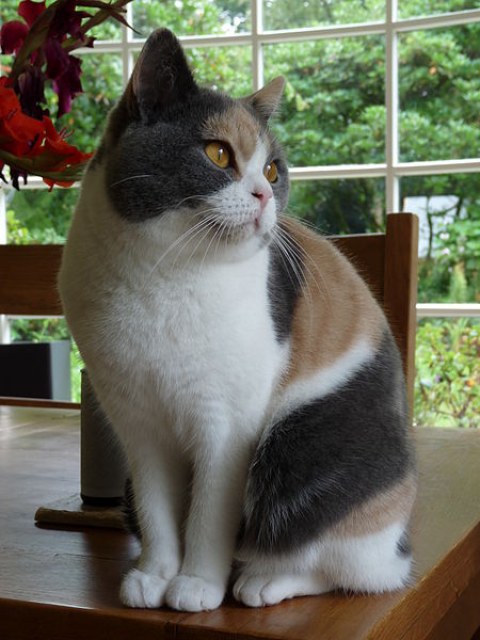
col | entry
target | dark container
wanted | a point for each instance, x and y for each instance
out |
(35, 370)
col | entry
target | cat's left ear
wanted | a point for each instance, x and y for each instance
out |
(161, 76)
(265, 101)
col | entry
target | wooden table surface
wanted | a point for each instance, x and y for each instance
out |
(62, 584)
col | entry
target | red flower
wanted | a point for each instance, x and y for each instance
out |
(42, 45)
(18, 132)
(33, 146)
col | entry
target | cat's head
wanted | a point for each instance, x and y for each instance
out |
(192, 157)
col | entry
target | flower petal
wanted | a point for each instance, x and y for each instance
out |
(57, 58)
(31, 88)
(30, 11)
(68, 85)
(12, 35)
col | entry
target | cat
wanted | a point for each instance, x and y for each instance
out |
(244, 364)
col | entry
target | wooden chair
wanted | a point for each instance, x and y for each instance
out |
(28, 276)
(387, 262)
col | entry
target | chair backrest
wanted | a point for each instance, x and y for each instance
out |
(28, 279)
(388, 262)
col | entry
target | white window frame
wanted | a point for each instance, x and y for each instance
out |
(392, 170)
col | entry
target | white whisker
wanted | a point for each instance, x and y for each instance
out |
(143, 175)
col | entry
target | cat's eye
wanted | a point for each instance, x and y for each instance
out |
(218, 154)
(271, 172)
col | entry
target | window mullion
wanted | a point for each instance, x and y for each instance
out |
(392, 187)
(257, 52)
(127, 58)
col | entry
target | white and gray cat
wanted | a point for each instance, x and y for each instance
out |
(247, 369)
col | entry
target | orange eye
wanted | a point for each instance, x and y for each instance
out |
(271, 172)
(218, 154)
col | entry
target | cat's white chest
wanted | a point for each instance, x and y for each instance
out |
(197, 348)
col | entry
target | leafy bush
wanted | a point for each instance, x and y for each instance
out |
(447, 385)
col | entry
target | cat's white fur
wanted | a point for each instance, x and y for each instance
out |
(367, 563)
(182, 354)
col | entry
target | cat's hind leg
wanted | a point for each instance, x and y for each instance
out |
(271, 587)
(372, 563)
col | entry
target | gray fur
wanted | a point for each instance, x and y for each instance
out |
(328, 457)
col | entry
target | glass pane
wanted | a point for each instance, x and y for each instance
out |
(39, 216)
(192, 17)
(439, 81)
(285, 14)
(414, 8)
(339, 206)
(449, 249)
(227, 69)
(447, 385)
(102, 87)
(333, 110)
(10, 10)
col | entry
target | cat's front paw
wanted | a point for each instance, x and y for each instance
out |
(143, 590)
(190, 593)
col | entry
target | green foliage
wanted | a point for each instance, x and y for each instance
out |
(447, 385)
(339, 206)
(39, 216)
(312, 13)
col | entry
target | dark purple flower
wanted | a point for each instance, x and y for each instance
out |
(31, 91)
(56, 57)
(68, 85)
(30, 11)
(67, 21)
(12, 35)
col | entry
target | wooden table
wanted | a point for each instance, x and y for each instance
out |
(62, 584)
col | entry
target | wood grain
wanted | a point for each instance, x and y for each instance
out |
(57, 584)
(400, 287)
(28, 279)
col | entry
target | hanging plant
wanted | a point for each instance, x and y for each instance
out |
(42, 43)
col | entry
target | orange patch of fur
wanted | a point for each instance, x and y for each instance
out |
(335, 308)
(392, 505)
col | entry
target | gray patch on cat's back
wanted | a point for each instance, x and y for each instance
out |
(328, 457)
(285, 282)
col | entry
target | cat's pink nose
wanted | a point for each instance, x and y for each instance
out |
(263, 194)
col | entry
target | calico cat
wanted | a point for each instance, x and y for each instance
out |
(248, 371)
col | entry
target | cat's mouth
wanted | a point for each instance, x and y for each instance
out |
(235, 230)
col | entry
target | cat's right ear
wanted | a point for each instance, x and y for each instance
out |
(161, 76)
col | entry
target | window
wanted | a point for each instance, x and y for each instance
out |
(380, 114)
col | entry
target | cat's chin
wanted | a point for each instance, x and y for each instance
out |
(244, 247)
(237, 241)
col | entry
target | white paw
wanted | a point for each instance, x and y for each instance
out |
(268, 589)
(257, 591)
(189, 593)
(143, 590)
